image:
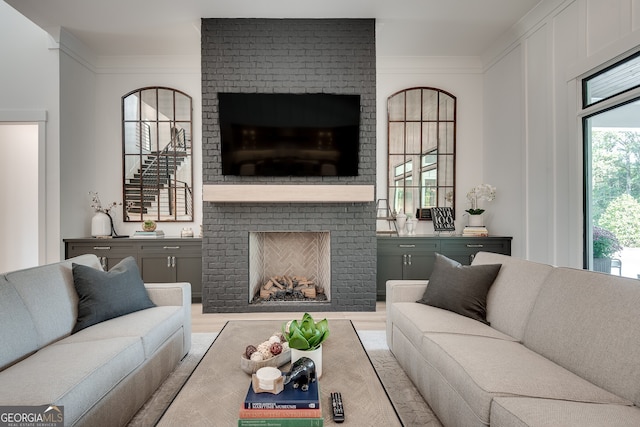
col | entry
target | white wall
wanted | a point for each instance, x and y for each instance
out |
(29, 87)
(462, 77)
(19, 216)
(532, 123)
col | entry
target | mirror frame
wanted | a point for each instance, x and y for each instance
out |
(157, 155)
(421, 130)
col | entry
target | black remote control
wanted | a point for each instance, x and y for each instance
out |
(336, 406)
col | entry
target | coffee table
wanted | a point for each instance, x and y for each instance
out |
(212, 396)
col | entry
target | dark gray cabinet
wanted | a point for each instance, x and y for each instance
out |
(165, 260)
(412, 258)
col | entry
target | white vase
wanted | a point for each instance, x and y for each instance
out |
(476, 221)
(315, 355)
(401, 220)
(411, 226)
(100, 225)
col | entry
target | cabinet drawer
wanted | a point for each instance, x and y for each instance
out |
(100, 249)
(475, 245)
(401, 245)
(169, 247)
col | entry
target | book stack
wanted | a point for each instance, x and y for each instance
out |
(289, 408)
(148, 234)
(479, 231)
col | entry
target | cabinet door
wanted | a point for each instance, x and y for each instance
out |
(389, 268)
(418, 265)
(157, 268)
(189, 269)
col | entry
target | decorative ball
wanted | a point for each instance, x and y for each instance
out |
(257, 357)
(274, 339)
(276, 348)
(249, 351)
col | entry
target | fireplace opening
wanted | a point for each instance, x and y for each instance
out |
(289, 266)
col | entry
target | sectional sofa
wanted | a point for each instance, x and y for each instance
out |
(561, 347)
(102, 374)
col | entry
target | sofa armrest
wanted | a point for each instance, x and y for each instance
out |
(405, 290)
(174, 294)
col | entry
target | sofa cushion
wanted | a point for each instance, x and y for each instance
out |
(153, 326)
(18, 333)
(513, 293)
(588, 323)
(529, 412)
(460, 288)
(414, 320)
(48, 293)
(76, 375)
(479, 369)
(105, 295)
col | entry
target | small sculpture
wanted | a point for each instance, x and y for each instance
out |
(303, 372)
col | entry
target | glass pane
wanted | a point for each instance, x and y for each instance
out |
(165, 104)
(149, 136)
(447, 134)
(183, 107)
(445, 196)
(182, 136)
(396, 107)
(445, 170)
(131, 137)
(429, 136)
(429, 199)
(149, 104)
(411, 199)
(612, 222)
(616, 79)
(396, 138)
(165, 136)
(397, 164)
(430, 105)
(447, 107)
(413, 138)
(131, 105)
(414, 104)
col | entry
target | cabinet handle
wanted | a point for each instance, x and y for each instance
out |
(173, 262)
(409, 259)
(171, 247)
(406, 246)
(101, 248)
(103, 262)
(168, 262)
(404, 259)
(475, 246)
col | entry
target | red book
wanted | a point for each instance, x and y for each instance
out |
(279, 413)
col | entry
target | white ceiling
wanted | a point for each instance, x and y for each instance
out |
(156, 27)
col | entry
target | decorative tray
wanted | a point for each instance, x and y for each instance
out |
(250, 366)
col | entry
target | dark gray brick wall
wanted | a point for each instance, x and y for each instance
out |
(288, 56)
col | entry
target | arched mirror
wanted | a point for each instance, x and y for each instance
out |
(422, 145)
(158, 173)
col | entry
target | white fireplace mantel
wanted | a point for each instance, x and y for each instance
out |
(296, 193)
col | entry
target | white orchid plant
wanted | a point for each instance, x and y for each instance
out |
(476, 194)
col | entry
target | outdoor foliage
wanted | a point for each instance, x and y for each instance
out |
(616, 173)
(605, 244)
(622, 217)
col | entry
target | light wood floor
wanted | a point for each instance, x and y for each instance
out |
(362, 320)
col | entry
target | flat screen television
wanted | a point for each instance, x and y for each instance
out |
(289, 134)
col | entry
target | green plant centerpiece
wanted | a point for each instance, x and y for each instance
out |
(305, 334)
(305, 338)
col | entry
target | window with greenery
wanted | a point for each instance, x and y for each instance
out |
(612, 173)
(422, 140)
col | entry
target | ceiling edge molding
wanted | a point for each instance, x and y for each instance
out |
(535, 18)
(72, 46)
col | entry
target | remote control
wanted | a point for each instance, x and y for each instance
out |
(336, 406)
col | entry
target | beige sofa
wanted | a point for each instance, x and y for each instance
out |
(562, 348)
(101, 375)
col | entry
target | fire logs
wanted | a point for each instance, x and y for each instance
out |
(294, 287)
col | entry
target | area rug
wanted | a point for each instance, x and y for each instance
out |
(411, 408)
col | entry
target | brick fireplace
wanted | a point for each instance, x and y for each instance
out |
(288, 56)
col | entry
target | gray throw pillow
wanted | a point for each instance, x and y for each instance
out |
(104, 295)
(460, 288)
